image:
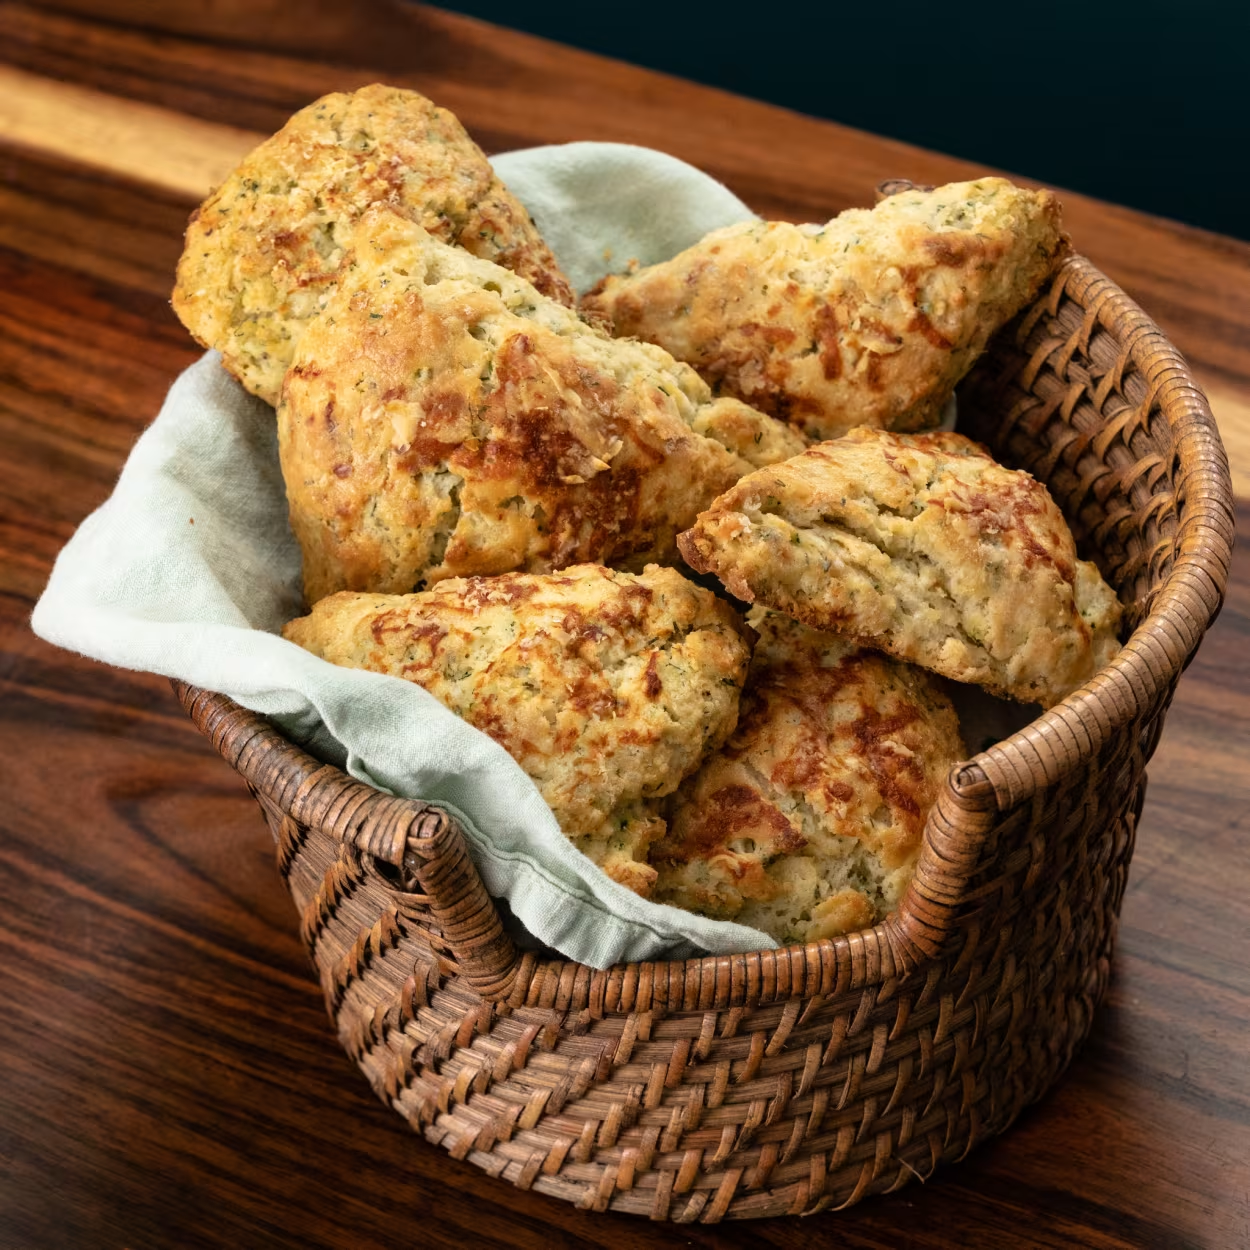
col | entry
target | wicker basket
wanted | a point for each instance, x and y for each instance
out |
(787, 1081)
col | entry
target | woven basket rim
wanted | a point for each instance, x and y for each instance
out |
(1041, 754)
(1108, 701)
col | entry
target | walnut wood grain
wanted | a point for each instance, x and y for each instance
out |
(169, 1074)
(169, 150)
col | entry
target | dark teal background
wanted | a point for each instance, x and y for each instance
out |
(1145, 104)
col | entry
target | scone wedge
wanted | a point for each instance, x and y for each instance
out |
(923, 547)
(264, 251)
(870, 319)
(808, 822)
(443, 418)
(607, 688)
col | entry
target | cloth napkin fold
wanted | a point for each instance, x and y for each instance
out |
(190, 570)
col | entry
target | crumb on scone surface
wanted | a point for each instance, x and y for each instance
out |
(923, 547)
(808, 822)
(870, 319)
(607, 688)
(442, 418)
(263, 251)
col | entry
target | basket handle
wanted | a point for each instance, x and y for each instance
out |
(422, 843)
(1122, 699)
(954, 838)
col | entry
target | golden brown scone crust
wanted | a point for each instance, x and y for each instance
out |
(607, 688)
(264, 250)
(442, 419)
(750, 434)
(870, 319)
(922, 547)
(808, 822)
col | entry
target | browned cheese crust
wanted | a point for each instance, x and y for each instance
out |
(808, 822)
(923, 547)
(264, 251)
(442, 418)
(607, 688)
(870, 319)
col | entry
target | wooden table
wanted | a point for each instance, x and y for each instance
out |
(167, 1075)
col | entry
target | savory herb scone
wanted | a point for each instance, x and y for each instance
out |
(870, 319)
(808, 822)
(264, 251)
(607, 688)
(923, 547)
(442, 418)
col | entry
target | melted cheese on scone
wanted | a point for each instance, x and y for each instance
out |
(442, 418)
(870, 319)
(808, 822)
(264, 251)
(607, 688)
(923, 547)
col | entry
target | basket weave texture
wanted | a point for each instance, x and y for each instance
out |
(786, 1081)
